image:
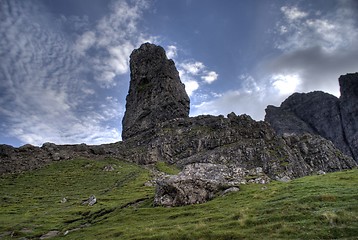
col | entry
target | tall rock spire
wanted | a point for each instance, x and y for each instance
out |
(156, 93)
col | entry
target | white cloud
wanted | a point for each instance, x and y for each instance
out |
(285, 84)
(330, 32)
(252, 98)
(210, 77)
(190, 86)
(237, 101)
(171, 51)
(193, 68)
(114, 38)
(250, 85)
(293, 13)
(193, 73)
(85, 41)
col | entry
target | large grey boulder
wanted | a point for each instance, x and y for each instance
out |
(200, 182)
(156, 93)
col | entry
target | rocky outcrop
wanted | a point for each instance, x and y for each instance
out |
(200, 182)
(156, 93)
(237, 141)
(322, 114)
(348, 103)
(28, 157)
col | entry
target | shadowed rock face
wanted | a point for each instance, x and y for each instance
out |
(156, 93)
(348, 103)
(323, 114)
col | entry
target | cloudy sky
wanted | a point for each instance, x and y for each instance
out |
(64, 71)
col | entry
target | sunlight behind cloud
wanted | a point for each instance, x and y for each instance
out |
(285, 84)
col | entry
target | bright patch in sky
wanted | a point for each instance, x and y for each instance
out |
(64, 70)
(285, 84)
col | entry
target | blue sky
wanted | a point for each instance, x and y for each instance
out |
(64, 71)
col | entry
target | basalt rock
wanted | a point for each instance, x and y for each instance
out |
(348, 103)
(335, 119)
(237, 141)
(156, 93)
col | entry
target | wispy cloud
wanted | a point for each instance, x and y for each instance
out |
(293, 13)
(112, 40)
(171, 51)
(193, 74)
(49, 80)
(210, 77)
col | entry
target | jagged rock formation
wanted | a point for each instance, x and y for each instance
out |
(348, 103)
(200, 182)
(156, 127)
(323, 114)
(237, 141)
(156, 93)
(28, 157)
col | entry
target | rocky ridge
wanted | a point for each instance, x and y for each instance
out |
(215, 153)
(335, 119)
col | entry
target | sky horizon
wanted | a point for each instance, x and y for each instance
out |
(64, 66)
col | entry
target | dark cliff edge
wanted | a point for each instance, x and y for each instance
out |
(156, 127)
(335, 119)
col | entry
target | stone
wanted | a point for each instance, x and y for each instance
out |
(90, 201)
(230, 190)
(284, 179)
(200, 182)
(50, 234)
(108, 168)
(156, 93)
(197, 183)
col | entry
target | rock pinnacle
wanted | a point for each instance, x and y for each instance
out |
(156, 93)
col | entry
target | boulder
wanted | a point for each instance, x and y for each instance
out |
(90, 201)
(200, 182)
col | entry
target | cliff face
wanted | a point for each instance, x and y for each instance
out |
(348, 103)
(237, 141)
(323, 114)
(156, 93)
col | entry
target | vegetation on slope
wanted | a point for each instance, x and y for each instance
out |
(316, 207)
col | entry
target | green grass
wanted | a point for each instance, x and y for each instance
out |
(166, 168)
(315, 207)
(30, 203)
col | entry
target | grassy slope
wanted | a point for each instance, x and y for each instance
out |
(316, 207)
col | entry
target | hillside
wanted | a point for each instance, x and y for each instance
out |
(314, 207)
